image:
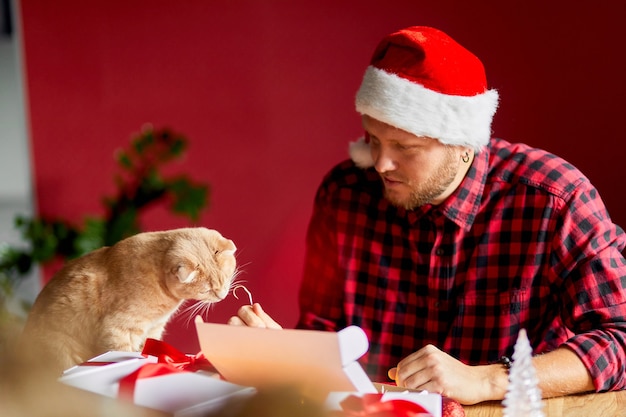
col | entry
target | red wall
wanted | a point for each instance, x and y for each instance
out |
(264, 91)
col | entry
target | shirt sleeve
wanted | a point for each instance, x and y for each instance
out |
(587, 256)
(321, 292)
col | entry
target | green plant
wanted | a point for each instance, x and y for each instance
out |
(139, 183)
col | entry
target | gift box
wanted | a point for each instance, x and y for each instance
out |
(116, 365)
(391, 403)
(181, 388)
(237, 362)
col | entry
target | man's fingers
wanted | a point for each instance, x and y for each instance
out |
(235, 321)
(249, 316)
(267, 320)
(253, 316)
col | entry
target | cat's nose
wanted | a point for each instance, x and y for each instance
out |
(222, 293)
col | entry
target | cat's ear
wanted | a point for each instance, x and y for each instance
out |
(185, 275)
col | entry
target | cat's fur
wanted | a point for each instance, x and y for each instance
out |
(115, 297)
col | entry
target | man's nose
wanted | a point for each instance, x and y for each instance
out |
(383, 161)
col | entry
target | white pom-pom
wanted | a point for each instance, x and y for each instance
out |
(360, 153)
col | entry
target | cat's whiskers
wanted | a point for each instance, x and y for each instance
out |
(238, 271)
(202, 308)
(198, 308)
(235, 283)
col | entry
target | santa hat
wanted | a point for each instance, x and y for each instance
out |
(422, 81)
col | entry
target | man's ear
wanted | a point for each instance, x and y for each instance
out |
(466, 153)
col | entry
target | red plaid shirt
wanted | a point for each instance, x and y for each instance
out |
(524, 242)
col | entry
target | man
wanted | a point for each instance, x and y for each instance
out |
(442, 243)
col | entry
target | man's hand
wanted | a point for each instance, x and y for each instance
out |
(435, 371)
(253, 316)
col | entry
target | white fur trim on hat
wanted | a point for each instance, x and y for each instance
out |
(451, 119)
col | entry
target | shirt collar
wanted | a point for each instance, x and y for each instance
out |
(462, 205)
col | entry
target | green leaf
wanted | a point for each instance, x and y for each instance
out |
(189, 199)
(178, 147)
(92, 236)
(124, 160)
(123, 225)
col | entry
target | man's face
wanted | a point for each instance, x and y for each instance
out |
(415, 170)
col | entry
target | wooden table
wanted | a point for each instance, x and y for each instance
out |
(608, 404)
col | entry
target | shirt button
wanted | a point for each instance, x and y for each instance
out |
(439, 252)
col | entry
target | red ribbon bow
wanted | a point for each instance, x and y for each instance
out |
(370, 405)
(169, 361)
(168, 354)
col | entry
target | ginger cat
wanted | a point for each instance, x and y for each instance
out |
(115, 297)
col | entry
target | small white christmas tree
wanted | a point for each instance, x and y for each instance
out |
(523, 396)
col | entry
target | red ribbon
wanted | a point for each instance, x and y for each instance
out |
(166, 353)
(149, 370)
(96, 363)
(169, 361)
(370, 405)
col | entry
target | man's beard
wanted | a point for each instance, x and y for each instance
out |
(432, 187)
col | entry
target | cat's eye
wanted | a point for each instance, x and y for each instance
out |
(217, 251)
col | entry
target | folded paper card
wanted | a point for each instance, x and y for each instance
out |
(316, 362)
